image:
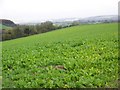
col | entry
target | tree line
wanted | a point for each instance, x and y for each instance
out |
(27, 30)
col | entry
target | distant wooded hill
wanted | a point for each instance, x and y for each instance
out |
(7, 22)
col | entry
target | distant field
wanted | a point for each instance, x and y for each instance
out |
(75, 57)
(5, 27)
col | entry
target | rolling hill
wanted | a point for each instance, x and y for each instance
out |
(74, 57)
(4, 27)
(6, 24)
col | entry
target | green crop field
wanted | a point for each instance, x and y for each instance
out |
(74, 57)
(5, 27)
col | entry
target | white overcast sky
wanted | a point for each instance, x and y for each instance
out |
(37, 10)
